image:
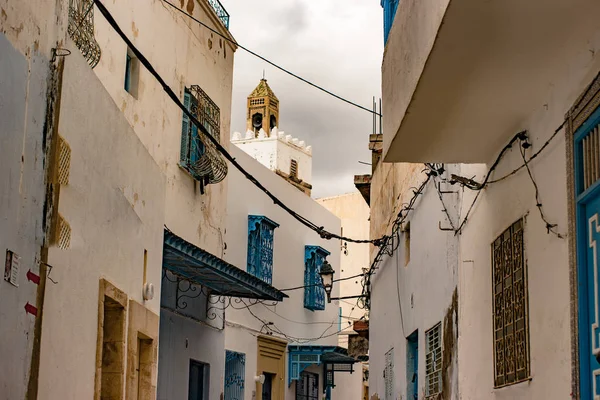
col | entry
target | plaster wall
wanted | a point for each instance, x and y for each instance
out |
(289, 316)
(114, 203)
(278, 151)
(546, 255)
(28, 32)
(22, 196)
(184, 54)
(353, 212)
(186, 340)
(415, 296)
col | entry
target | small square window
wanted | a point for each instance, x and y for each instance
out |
(132, 73)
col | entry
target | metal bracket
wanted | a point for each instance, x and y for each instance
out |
(444, 191)
(444, 229)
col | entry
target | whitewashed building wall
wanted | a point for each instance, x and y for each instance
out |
(290, 238)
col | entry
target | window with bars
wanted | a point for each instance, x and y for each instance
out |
(314, 292)
(307, 387)
(510, 309)
(261, 232)
(388, 375)
(235, 371)
(433, 361)
(198, 155)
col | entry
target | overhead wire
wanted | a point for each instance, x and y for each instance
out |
(271, 62)
(318, 284)
(320, 230)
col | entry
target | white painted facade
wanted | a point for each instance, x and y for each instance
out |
(277, 151)
(185, 54)
(125, 186)
(114, 203)
(290, 238)
(415, 72)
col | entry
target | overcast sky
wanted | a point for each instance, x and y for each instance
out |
(337, 44)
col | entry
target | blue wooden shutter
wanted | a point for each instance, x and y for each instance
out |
(196, 144)
(261, 231)
(314, 292)
(185, 132)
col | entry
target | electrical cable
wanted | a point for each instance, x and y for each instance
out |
(318, 229)
(270, 62)
(318, 284)
(551, 228)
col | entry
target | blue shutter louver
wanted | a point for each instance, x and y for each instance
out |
(314, 292)
(261, 232)
(185, 132)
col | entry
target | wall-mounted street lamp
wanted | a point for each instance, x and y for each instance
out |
(326, 273)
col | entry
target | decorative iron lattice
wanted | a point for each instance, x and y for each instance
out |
(81, 29)
(63, 239)
(199, 156)
(433, 361)
(64, 161)
(511, 319)
(307, 387)
(215, 304)
(235, 371)
(261, 232)
(220, 11)
(591, 157)
(314, 292)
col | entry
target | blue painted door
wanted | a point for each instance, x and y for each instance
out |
(587, 183)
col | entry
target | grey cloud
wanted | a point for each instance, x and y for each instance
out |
(319, 40)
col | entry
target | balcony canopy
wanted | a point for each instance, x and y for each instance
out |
(202, 268)
(461, 77)
(333, 359)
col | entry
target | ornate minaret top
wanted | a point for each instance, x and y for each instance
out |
(263, 109)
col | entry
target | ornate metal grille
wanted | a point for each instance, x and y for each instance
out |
(307, 387)
(433, 361)
(81, 29)
(511, 320)
(314, 293)
(220, 11)
(235, 371)
(260, 247)
(591, 157)
(199, 156)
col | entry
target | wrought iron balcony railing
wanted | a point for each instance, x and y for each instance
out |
(81, 29)
(220, 11)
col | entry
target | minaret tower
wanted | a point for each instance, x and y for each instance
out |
(263, 110)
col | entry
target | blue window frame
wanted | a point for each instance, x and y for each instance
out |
(587, 195)
(314, 292)
(389, 12)
(235, 373)
(261, 232)
(191, 145)
(127, 84)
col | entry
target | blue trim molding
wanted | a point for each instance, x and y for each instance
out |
(221, 278)
(261, 232)
(314, 292)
